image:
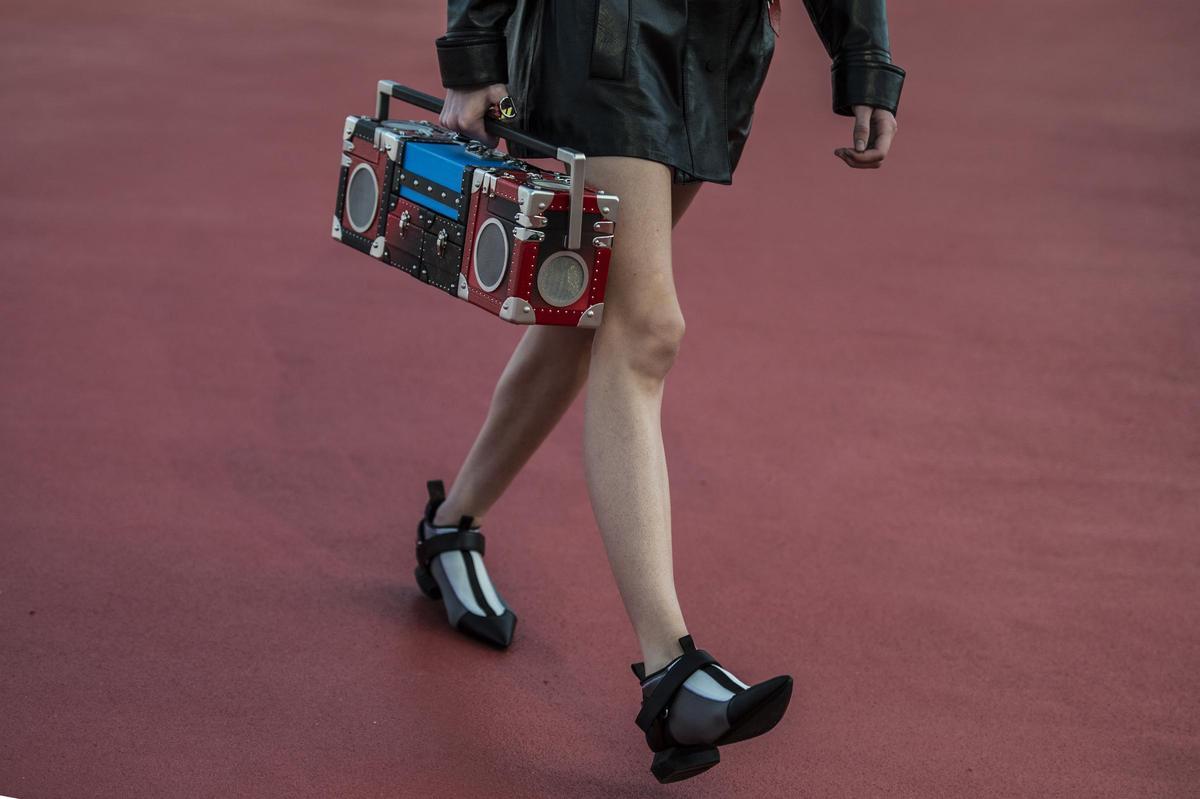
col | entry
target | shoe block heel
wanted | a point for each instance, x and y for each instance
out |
(681, 762)
(428, 585)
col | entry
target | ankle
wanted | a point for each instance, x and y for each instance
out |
(659, 655)
(447, 515)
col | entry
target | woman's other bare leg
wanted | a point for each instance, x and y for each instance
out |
(546, 370)
(632, 352)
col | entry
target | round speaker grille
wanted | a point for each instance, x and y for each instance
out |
(562, 278)
(491, 254)
(361, 197)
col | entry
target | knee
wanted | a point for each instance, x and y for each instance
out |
(646, 343)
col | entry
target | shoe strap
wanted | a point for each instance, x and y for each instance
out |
(437, 495)
(687, 664)
(467, 540)
(639, 668)
(436, 489)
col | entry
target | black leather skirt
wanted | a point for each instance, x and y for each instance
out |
(673, 81)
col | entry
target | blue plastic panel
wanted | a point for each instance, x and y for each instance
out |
(443, 164)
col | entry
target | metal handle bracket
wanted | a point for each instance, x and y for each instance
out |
(574, 161)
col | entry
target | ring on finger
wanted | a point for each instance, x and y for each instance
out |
(504, 109)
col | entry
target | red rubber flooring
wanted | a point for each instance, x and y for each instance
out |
(933, 435)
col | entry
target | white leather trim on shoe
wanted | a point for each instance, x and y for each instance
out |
(704, 685)
(456, 572)
(485, 584)
(735, 679)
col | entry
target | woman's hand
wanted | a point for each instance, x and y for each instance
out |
(465, 108)
(873, 132)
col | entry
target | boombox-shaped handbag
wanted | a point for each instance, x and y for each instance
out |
(529, 245)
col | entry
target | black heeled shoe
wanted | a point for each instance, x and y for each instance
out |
(685, 725)
(450, 568)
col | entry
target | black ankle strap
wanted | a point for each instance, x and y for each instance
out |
(690, 661)
(437, 495)
(436, 488)
(467, 540)
(639, 668)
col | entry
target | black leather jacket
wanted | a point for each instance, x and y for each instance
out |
(473, 51)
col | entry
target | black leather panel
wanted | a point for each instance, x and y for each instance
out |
(855, 34)
(669, 80)
(610, 42)
(871, 83)
(472, 62)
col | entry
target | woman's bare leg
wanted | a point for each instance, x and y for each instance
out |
(544, 374)
(632, 351)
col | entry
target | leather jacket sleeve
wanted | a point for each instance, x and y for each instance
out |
(473, 51)
(855, 35)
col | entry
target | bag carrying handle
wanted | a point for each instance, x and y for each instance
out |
(574, 161)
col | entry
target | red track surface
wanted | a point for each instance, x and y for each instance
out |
(933, 435)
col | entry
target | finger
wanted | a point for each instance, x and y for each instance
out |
(491, 111)
(474, 129)
(841, 153)
(883, 129)
(851, 159)
(854, 164)
(865, 157)
(452, 115)
(862, 126)
(476, 112)
(883, 141)
(855, 159)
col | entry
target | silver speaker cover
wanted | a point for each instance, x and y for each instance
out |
(362, 197)
(490, 257)
(562, 278)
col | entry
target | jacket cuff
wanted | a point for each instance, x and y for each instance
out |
(472, 61)
(866, 82)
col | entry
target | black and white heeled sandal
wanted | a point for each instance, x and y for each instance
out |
(450, 568)
(693, 705)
